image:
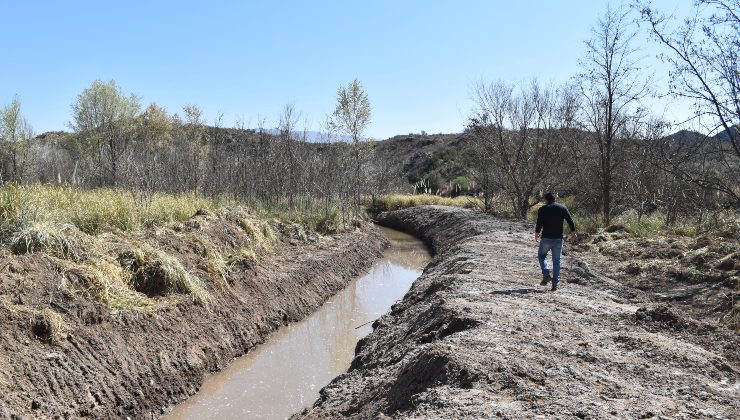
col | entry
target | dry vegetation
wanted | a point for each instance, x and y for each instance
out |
(54, 208)
(402, 201)
(106, 247)
(700, 274)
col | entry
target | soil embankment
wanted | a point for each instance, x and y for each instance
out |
(477, 337)
(64, 354)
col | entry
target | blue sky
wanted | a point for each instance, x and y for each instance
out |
(247, 60)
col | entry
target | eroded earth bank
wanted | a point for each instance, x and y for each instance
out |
(477, 337)
(64, 353)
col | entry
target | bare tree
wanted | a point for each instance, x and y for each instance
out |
(704, 52)
(151, 149)
(193, 148)
(518, 136)
(289, 161)
(612, 86)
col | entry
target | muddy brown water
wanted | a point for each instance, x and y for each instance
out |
(284, 375)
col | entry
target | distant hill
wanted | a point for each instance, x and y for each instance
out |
(686, 136)
(724, 135)
(311, 136)
(436, 158)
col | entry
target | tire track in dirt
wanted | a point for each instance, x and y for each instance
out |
(477, 337)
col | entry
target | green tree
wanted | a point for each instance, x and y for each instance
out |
(352, 117)
(153, 144)
(15, 133)
(104, 120)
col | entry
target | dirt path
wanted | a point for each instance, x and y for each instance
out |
(119, 364)
(477, 337)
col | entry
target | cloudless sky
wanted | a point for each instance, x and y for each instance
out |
(246, 60)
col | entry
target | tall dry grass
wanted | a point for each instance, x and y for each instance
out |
(402, 201)
(94, 211)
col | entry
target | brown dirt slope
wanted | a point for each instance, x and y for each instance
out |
(65, 355)
(477, 337)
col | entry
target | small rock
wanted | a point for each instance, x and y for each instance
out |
(35, 405)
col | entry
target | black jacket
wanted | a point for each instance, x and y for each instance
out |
(550, 220)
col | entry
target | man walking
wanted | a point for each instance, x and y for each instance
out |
(549, 231)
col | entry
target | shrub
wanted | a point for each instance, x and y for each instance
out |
(330, 222)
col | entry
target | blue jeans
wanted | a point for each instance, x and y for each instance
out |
(556, 247)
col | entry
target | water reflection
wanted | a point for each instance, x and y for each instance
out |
(285, 374)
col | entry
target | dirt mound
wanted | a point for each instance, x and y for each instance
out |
(477, 337)
(698, 275)
(131, 325)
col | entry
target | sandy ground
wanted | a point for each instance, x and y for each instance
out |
(477, 337)
(118, 364)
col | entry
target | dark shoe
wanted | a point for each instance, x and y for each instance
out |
(545, 281)
(554, 288)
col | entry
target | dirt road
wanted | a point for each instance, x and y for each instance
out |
(477, 337)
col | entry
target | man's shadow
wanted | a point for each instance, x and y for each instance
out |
(522, 291)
